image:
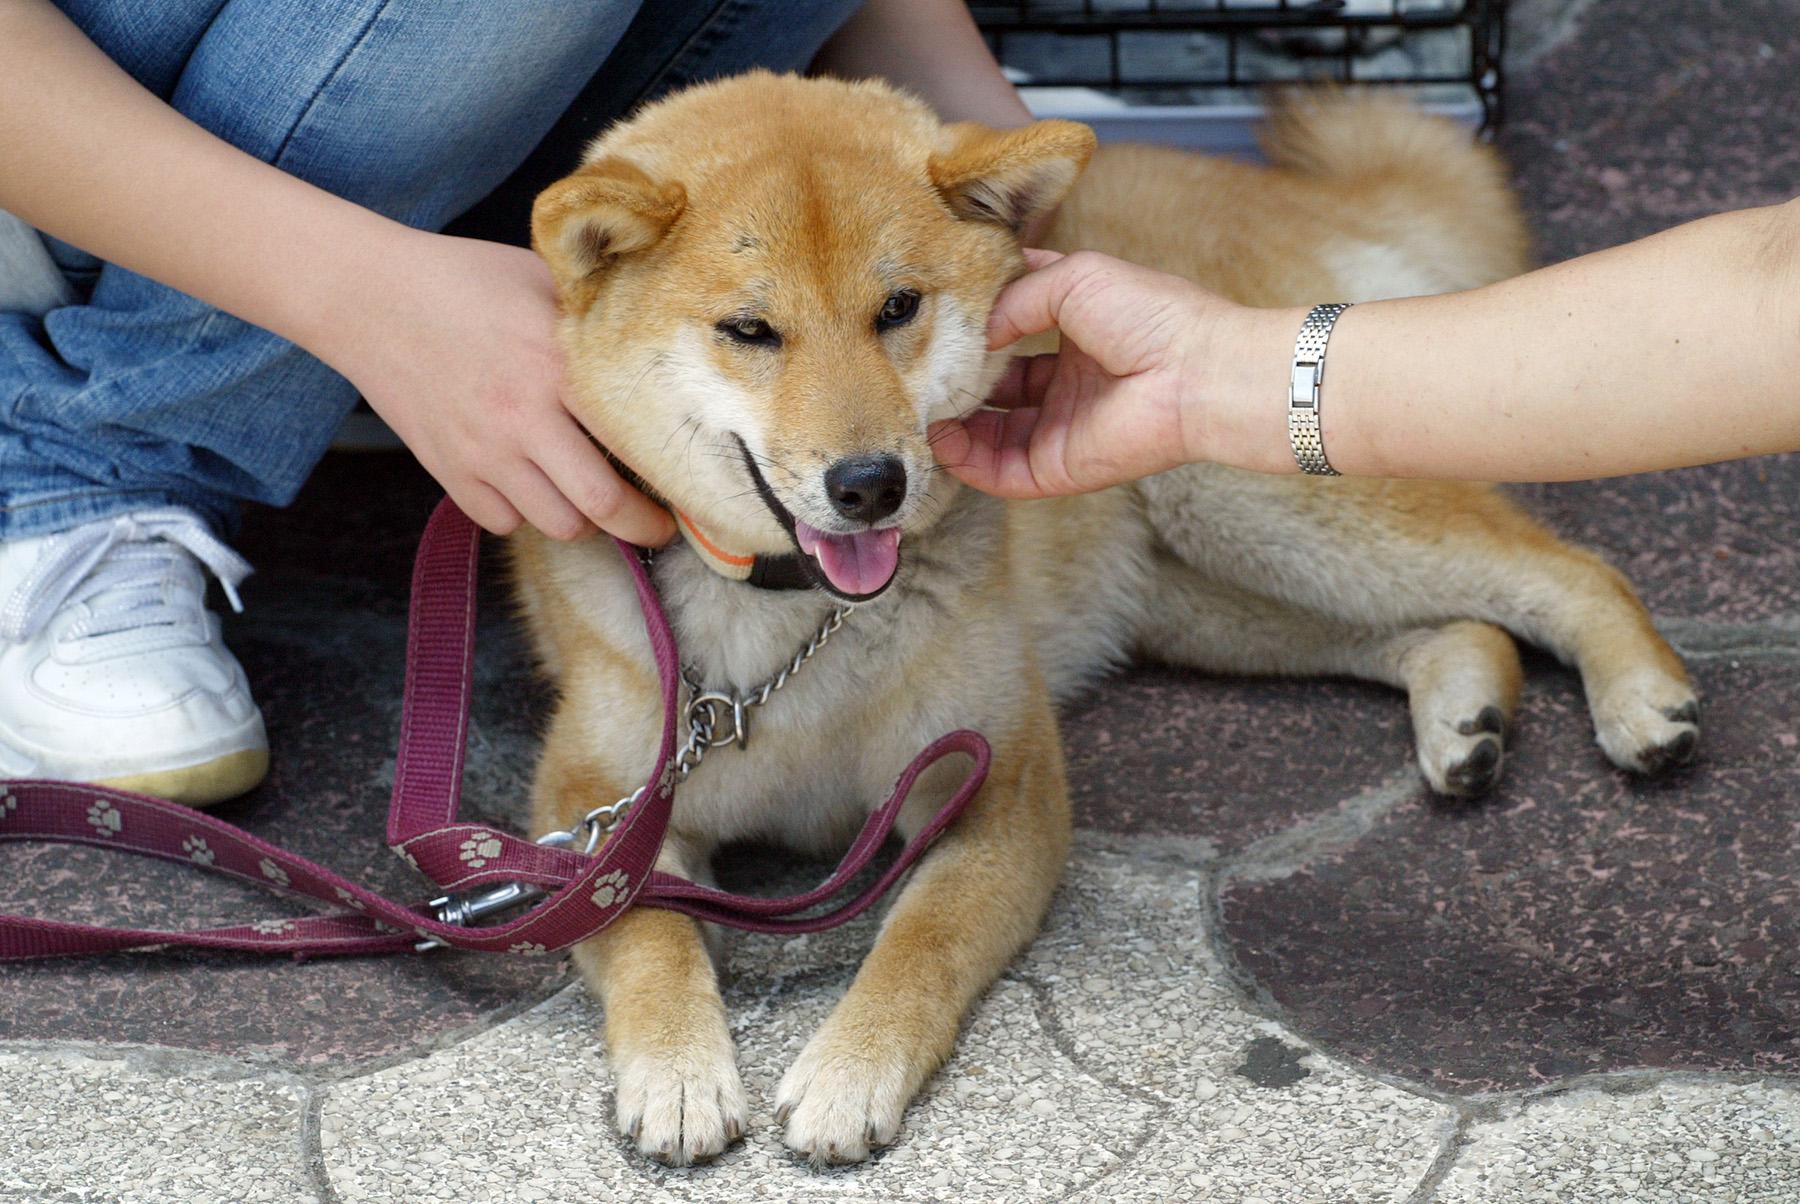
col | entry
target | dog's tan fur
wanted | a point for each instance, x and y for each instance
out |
(804, 204)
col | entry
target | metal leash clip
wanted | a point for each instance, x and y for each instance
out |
(706, 713)
(471, 907)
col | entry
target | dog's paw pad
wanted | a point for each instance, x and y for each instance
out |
(1475, 773)
(1463, 759)
(1687, 712)
(1490, 720)
(1664, 757)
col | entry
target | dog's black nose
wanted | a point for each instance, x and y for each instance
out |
(866, 488)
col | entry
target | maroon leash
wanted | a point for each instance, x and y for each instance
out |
(581, 893)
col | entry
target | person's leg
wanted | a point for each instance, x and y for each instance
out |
(125, 415)
(668, 46)
(141, 399)
(143, 396)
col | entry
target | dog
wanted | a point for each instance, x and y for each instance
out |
(772, 286)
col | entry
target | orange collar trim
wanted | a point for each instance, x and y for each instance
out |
(764, 572)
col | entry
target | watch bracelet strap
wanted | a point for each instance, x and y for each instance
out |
(1304, 380)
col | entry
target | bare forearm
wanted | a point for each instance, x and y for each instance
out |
(94, 159)
(1683, 348)
(931, 47)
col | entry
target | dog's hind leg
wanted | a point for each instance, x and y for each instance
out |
(678, 1094)
(1461, 678)
(1391, 555)
(971, 903)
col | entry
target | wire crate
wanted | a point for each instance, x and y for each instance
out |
(1191, 72)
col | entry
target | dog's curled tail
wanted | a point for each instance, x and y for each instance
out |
(1423, 170)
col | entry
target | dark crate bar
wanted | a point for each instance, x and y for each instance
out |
(1152, 47)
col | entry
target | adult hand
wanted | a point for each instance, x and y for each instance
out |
(462, 361)
(1119, 399)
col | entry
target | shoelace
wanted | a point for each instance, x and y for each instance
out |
(120, 565)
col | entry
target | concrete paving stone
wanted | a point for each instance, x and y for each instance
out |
(1109, 1064)
(1576, 921)
(1673, 1142)
(132, 1127)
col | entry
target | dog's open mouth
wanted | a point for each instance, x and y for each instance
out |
(855, 567)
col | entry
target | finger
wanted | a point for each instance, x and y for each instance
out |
(486, 507)
(1024, 381)
(577, 468)
(541, 503)
(1004, 453)
(1033, 303)
(1037, 257)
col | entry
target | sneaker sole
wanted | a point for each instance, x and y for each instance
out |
(200, 785)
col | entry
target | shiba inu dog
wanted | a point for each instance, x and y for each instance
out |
(772, 285)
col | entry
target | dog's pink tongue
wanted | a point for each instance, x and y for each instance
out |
(856, 564)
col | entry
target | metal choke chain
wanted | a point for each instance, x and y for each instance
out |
(707, 713)
(714, 717)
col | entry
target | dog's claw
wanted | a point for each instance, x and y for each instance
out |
(1477, 771)
(1687, 712)
(1489, 720)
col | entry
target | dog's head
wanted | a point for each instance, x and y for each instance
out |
(773, 285)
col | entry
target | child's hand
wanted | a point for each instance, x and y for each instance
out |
(465, 366)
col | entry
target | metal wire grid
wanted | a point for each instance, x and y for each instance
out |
(1179, 44)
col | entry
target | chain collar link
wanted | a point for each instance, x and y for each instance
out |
(715, 717)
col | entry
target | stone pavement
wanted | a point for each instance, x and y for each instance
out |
(1278, 970)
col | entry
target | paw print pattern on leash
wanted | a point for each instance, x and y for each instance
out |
(197, 850)
(610, 888)
(105, 818)
(479, 849)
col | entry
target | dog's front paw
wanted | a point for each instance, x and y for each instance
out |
(682, 1104)
(843, 1098)
(1647, 721)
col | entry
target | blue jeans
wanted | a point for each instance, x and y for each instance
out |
(138, 395)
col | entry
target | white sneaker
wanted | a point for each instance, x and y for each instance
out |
(113, 671)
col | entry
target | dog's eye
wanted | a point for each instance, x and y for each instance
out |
(753, 332)
(897, 310)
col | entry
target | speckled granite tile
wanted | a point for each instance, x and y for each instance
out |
(1227, 760)
(1632, 116)
(323, 642)
(1654, 113)
(1110, 1063)
(1576, 921)
(128, 1128)
(1667, 1143)
(1720, 543)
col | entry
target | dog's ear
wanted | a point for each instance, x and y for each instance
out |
(609, 208)
(1009, 176)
